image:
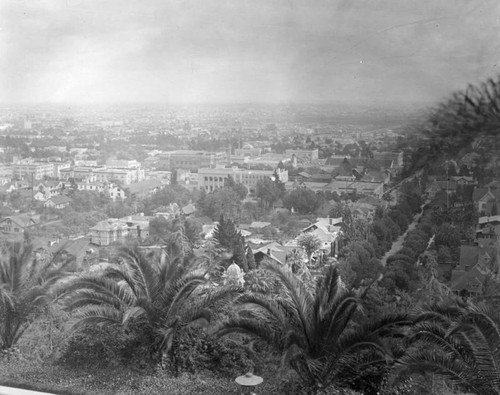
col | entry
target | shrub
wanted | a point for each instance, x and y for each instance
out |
(197, 350)
(408, 252)
(98, 346)
(400, 257)
(399, 219)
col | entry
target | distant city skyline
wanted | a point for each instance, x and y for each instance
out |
(294, 51)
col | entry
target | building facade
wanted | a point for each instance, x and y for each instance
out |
(124, 176)
(211, 179)
(35, 170)
(192, 160)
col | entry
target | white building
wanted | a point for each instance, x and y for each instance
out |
(29, 169)
(211, 179)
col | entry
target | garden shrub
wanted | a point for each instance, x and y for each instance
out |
(197, 350)
(101, 346)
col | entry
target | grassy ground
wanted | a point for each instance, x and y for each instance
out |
(22, 372)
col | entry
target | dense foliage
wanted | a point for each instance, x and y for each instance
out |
(315, 333)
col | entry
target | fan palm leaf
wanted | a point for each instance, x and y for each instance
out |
(460, 341)
(160, 292)
(27, 286)
(314, 332)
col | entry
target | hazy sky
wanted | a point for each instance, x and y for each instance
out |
(240, 51)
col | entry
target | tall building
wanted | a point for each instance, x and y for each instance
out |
(124, 176)
(191, 160)
(210, 179)
(35, 170)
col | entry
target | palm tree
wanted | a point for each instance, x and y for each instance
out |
(310, 243)
(27, 287)
(153, 294)
(460, 341)
(315, 333)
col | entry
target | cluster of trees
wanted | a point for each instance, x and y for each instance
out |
(402, 272)
(178, 231)
(365, 243)
(223, 201)
(229, 239)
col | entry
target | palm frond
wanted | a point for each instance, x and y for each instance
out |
(250, 327)
(455, 370)
(141, 270)
(101, 286)
(92, 315)
(296, 290)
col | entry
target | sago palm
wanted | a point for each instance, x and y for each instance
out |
(315, 332)
(153, 294)
(459, 341)
(27, 286)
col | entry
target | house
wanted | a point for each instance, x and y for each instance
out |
(488, 227)
(272, 251)
(138, 225)
(114, 230)
(467, 282)
(18, 223)
(188, 209)
(49, 188)
(58, 202)
(327, 230)
(108, 231)
(116, 193)
(475, 267)
(37, 195)
(482, 196)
